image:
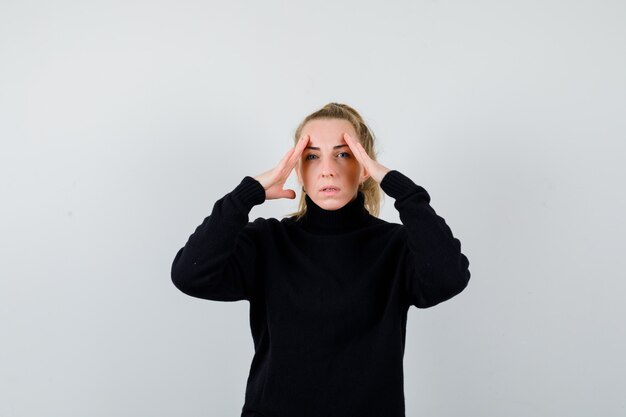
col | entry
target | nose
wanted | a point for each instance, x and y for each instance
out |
(327, 169)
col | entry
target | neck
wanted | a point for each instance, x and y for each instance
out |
(349, 217)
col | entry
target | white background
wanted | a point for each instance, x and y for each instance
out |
(123, 122)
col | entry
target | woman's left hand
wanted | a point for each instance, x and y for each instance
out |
(376, 170)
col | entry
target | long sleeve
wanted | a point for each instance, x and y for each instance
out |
(437, 269)
(218, 260)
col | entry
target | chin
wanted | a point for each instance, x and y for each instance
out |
(331, 203)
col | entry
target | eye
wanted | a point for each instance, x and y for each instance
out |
(313, 156)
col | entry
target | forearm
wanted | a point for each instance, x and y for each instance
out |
(204, 255)
(440, 268)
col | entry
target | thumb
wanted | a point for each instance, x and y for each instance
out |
(291, 194)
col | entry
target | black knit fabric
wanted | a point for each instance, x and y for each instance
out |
(328, 295)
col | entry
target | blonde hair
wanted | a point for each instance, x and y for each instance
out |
(370, 187)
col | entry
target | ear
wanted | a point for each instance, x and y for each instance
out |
(364, 175)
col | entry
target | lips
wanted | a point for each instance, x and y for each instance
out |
(329, 188)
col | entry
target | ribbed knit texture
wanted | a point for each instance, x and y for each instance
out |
(320, 221)
(328, 295)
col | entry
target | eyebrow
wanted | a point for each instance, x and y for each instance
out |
(317, 149)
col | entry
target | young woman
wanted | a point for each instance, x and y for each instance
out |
(329, 287)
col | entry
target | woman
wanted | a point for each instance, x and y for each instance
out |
(329, 287)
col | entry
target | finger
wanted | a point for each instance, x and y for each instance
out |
(359, 153)
(280, 168)
(352, 144)
(369, 164)
(286, 156)
(304, 140)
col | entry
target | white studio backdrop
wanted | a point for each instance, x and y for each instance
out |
(122, 122)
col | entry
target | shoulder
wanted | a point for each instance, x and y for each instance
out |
(269, 224)
(384, 227)
(264, 226)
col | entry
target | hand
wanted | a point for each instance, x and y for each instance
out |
(274, 179)
(376, 170)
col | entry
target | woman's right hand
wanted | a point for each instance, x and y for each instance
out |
(274, 179)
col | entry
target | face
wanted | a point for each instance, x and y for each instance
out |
(328, 161)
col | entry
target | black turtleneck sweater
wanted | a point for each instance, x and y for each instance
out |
(328, 295)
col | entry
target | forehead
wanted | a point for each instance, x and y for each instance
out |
(327, 131)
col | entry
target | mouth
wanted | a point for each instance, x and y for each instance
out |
(329, 190)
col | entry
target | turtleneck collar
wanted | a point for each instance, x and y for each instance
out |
(346, 218)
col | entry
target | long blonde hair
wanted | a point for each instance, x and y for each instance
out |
(370, 187)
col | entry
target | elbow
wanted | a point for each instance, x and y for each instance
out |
(187, 284)
(454, 272)
(462, 277)
(195, 280)
(455, 283)
(180, 275)
(463, 280)
(448, 286)
(179, 280)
